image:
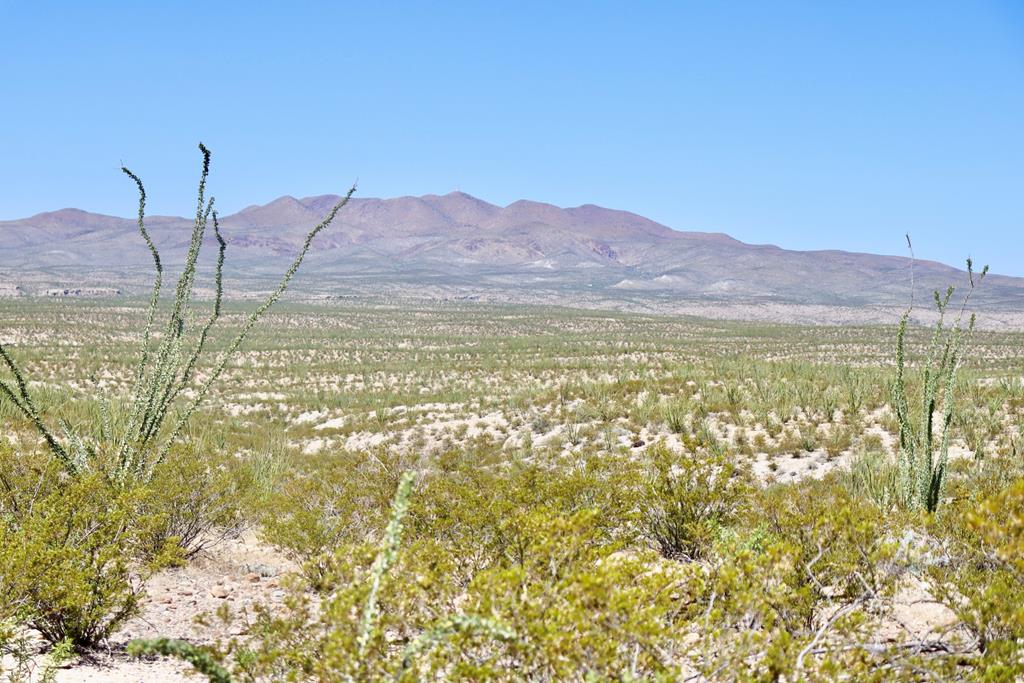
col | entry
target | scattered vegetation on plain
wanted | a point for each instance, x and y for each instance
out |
(508, 493)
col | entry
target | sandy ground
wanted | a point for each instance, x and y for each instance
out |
(238, 572)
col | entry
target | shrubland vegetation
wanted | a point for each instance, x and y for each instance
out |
(510, 493)
(602, 495)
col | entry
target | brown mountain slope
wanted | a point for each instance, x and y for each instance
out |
(458, 245)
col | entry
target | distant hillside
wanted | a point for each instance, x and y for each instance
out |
(457, 246)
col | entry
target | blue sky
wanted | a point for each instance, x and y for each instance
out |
(804, 124)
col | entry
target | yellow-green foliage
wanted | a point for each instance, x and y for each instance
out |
(793, 587)
(472, 502)
(580, 607)
(690, 498)
(983, 581)
(1000, 523)
(322, 502)
(572, 605)
(196, 500)
(70, 550)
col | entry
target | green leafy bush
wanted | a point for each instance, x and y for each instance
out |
(327, 500)
(983, 581)
(688, 499)
(68, 549)
(573, 607)
(195, 501)
(581, 608)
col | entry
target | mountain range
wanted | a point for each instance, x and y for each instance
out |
(456, 246)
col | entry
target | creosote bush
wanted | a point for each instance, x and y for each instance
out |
(511, 572)
(691, 498)
(69, 549)
(196, 501)
(323, 502)
(982, 581)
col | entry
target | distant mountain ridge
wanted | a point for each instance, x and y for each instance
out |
(456, 245)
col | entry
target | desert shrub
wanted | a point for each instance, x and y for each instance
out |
(810, 437)
(567, 604)
(478, 511)
(530, 570)
(541, 423)
(799, 439)
(475, 521)
(756, 605)
(471, 503)
(762, 621)
(675, 413)
(68, 553)
(195, 501)
(689, 498)
(573, 434)
(983, 580)
(580, 608)
(853, 391)
(759, 444)
(645, 408)
(793, 588)
(574, 608)
(838, 440)
(741, 441)
(999, 523)
(974, 433)
(345, 635)
(842, 544)
(324, 501)
(871, 441)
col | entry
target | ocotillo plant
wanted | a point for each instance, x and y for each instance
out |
(921, 464)
(143, 432)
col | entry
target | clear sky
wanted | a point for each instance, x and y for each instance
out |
(804, 124)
